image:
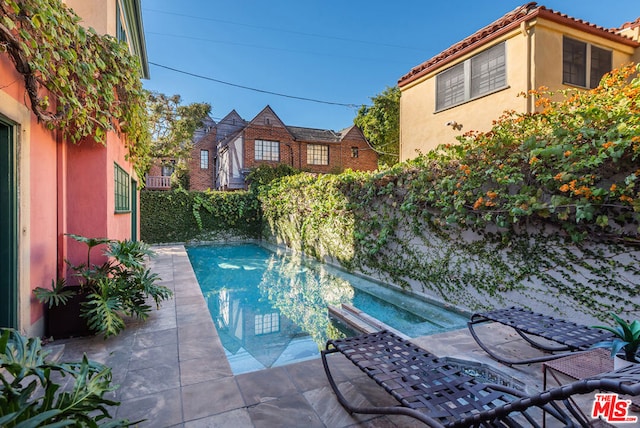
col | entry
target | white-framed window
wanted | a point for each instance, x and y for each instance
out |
(268, 323)
(583, 64)
(317, 154)
(481, 74)
(267, 150)
(204, 159)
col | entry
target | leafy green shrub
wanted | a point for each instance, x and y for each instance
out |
(264, 174)
(30, 395)
(180, 216)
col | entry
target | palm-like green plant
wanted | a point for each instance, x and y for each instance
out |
(627, 338)
(120, 286)
(30, 397)
(58, 295)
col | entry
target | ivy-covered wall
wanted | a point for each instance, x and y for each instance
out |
(363, 222)
(542, 211)
(180, 216)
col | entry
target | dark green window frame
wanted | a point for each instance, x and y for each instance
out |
(122, 189)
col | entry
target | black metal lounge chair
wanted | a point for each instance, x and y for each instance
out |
(569, 336)
(434, 392)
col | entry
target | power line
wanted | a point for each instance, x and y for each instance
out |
(282, 30)
(315, 54)
(254, 89)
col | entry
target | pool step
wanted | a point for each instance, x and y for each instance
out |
(360, 321)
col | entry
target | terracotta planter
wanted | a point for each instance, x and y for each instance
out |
(65, 321)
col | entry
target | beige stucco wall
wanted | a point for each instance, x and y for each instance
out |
(98, 14)
(422, 128)
(534, 59)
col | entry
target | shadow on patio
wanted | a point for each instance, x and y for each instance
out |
(172, 369)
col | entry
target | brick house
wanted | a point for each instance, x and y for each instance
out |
(471, 83)
(267, 140)
(224, 152)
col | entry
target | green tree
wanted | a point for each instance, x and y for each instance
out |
(172, 126)
(380, 123)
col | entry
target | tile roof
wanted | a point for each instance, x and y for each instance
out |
(628, 25)
(503, 25)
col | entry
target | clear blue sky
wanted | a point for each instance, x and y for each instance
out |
(338, 51)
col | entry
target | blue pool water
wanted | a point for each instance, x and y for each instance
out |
(271, 309)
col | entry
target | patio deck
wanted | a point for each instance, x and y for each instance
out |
(173, 372)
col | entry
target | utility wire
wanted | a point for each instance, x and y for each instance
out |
(322, 36)
(315, 54)
(254, 89)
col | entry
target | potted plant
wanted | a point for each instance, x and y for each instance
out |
(118, 287)
(626, 339)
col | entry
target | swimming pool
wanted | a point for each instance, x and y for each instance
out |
(271, 309)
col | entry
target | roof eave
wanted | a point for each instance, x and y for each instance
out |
(133, 16)
(539, 12)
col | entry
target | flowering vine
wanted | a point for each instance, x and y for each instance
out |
(77, 81)
(543, 208)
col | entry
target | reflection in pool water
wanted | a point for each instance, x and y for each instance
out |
(271, 309)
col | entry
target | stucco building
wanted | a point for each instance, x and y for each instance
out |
(473, 82)
(51, 187)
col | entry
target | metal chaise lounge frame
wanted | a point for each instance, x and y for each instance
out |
(569, 336)
(432, 391)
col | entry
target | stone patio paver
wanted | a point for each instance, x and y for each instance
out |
(172, 369)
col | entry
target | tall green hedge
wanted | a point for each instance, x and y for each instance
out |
(180, 216)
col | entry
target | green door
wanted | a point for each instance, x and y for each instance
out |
(8, 230)
(134, 210)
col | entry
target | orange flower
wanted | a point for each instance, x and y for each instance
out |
(625, 198)
(607, 144)
(533, 160)
(584, 190)
(491, 194)
(478, 203)
(564, 188)
(567, 153)
(558, 176)
(613, 187)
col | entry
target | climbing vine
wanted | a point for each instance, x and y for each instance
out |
(540, 210)
(77, 81)
(573, 163)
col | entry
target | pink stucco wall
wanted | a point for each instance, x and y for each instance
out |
(42, 212)
(62, 188)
